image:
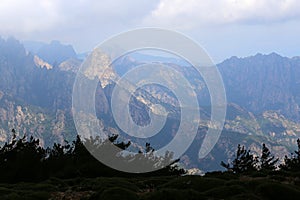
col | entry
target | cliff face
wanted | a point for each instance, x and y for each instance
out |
(264, 82)
(31, 121)
(35, 97)
(262, 90)
(56, 53)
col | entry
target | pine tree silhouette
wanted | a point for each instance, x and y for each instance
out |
(23, 159)
(267, 161)
(292, 163)
(244, 162)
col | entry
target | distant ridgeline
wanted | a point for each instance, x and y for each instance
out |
(263, 93)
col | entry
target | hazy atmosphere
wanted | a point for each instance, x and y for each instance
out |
(223, 27)
(181, 99)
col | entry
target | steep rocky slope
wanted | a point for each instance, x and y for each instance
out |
(262, 90)
(264, 82)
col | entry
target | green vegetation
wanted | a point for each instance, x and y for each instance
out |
(292, 163)
(28, 171)
(211, 186)
(23, 159)
(266, 164)
(243, 163)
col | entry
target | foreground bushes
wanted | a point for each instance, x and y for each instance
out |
(159, 188)
(23, 159)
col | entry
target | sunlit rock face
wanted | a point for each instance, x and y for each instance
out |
(262, 91)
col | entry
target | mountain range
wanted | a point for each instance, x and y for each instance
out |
(36, 81)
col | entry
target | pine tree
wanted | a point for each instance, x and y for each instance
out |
(267, 161)
(292, 163)
(244, 161)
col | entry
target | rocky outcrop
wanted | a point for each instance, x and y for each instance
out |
(263, 82)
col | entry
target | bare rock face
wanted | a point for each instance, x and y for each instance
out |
(35, 98)
(30, 121)
(56, 53)
(263, 82)
(262, 90)
(71, 65)
(41, 63)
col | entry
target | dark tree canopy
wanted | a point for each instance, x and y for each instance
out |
(23, 159)
(292, 163)
(267, 161)
(244, 161)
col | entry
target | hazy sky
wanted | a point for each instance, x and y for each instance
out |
(223, 27)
